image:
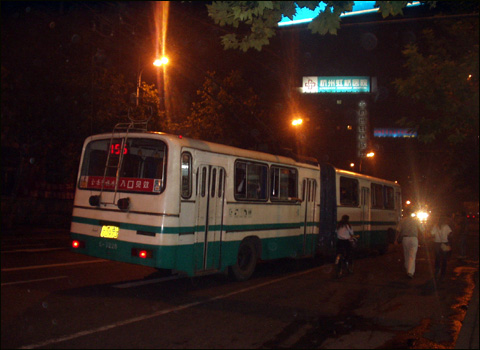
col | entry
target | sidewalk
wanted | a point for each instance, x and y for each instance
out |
(468, 337)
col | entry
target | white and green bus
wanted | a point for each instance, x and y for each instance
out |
(195, 207)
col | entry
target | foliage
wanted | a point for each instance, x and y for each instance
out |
(227, 112)
(59, 85)
(255, 22)
(442, 82)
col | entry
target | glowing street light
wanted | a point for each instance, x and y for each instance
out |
(161, 61)
(297, 122)
(158, 62)
(367, 155)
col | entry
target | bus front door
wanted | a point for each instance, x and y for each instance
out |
(209, 221)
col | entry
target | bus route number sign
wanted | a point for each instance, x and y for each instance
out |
(109, 232)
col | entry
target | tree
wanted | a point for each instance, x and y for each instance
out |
(255, 22)
(227, 112)
(59, 85)
(442, 82)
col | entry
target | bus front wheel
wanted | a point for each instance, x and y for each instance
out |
(246, 261)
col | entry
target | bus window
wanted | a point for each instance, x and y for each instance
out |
(220, 184)
(204, 182)
(250, 181)
(186, 174)
(389, 197)
(377, 196)
(283, 183)
(214, 178)
(143, 165)
(348, 191)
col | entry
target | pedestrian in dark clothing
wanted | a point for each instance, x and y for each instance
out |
(345, 237)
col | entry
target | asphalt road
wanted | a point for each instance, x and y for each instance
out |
(52, 298)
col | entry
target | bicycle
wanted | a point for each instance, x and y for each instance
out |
(341, 264)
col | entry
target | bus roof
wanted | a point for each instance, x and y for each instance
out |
(208, 146)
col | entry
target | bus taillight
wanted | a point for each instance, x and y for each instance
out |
(142, 253)
(78, 244)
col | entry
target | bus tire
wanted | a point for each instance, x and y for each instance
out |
(246, 261)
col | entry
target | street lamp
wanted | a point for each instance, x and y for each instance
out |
(367, 155)
(158, 62)
(297, 122)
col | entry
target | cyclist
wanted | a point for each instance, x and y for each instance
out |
(345, 239)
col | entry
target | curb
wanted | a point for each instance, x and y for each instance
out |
(468, 336)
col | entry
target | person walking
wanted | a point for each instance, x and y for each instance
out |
(345, 237)
(441, 232)
(409, 229)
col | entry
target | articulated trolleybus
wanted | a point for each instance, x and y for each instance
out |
(196, 207)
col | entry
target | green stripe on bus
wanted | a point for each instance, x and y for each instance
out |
(187, 229)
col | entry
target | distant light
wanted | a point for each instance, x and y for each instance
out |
(422, 216)
(469, 77)
(352, 165)
(161, 61)
(297, 122)
(408, 202)
(370, 154)
(349, 127)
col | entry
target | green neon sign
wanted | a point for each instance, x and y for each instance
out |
(335, 85)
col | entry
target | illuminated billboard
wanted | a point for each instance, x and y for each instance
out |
(335, 85)
(393, 132)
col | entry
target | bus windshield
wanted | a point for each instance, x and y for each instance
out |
(143, 166)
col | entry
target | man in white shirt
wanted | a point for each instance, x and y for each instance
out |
(408, 229)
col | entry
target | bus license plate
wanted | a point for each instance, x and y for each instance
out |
(109, 232)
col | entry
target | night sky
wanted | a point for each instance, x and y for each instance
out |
(40, 38)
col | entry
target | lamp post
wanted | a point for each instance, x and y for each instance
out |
(297, 125)
(368, 155)
(157, 63)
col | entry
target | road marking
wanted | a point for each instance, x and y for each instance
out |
(144, 282)
(162, 312)
(52, 265)
(31, 281)
(32, 250)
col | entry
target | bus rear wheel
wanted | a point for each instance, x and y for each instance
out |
(246, 261)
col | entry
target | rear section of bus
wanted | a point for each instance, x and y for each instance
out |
(119, 213)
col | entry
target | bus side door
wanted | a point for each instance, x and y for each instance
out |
(309, 208)
(209, 220)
